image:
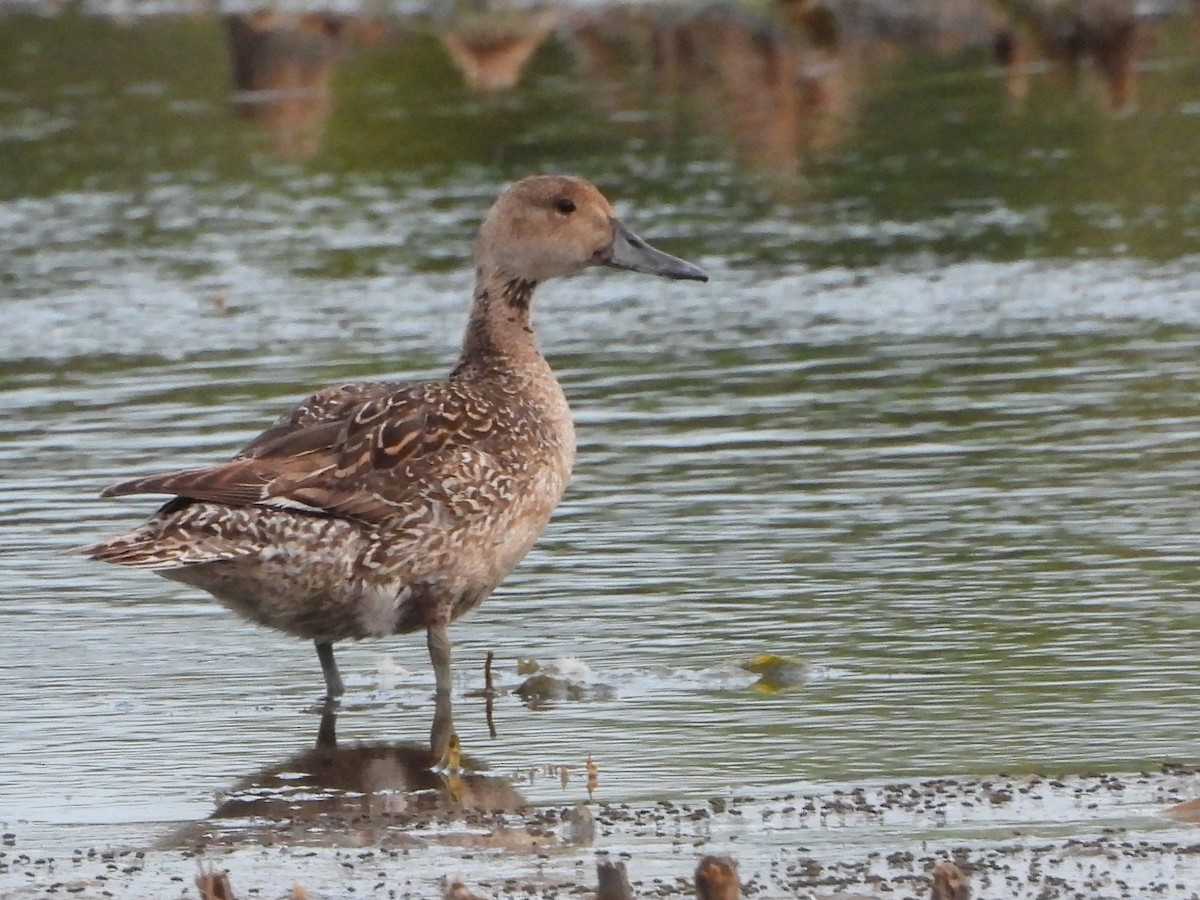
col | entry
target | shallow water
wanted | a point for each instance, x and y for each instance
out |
(929, 428)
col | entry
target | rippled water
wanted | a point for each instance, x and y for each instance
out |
(938, 443)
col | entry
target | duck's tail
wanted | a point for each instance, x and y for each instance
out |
(170, 542)
(148, 549)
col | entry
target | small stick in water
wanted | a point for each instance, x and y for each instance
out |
(489, 691)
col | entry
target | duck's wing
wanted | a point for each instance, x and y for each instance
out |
(331, 404)
(360, 461)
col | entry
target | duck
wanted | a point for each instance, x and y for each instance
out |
(380, 508)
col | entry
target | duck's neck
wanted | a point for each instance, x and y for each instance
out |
(499, 330)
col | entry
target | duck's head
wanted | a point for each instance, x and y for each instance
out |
(546, 226)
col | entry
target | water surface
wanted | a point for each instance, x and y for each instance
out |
(930, 427)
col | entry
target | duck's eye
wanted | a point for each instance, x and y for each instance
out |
(565, 205)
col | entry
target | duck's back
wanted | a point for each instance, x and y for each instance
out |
(369, 508)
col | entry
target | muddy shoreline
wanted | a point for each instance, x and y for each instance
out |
(1096, 835)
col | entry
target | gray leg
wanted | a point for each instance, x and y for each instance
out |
(333, 681)
(439, 654)
(443, 722)
(442, 732)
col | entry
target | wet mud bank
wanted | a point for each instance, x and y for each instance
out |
(1097, 835)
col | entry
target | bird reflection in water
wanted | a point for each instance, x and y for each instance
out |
(376, 793)
(776, 83)
(1107, 36)
(491, 43)
(282, 66)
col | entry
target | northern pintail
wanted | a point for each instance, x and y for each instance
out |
(380, 508)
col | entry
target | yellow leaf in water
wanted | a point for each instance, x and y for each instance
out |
(775, 672)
